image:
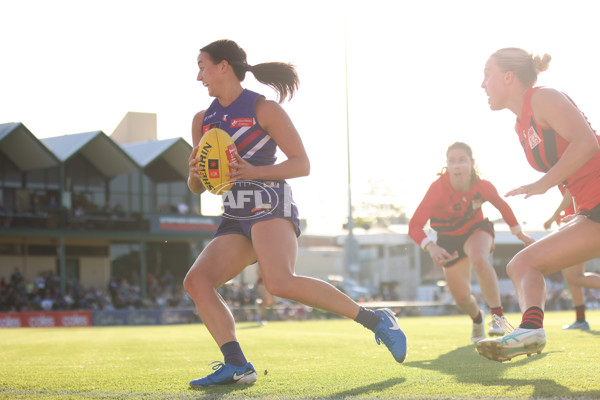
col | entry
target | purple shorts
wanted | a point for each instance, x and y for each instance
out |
(249, 202)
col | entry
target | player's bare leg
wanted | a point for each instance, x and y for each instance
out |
(458, 278)
(478, 248)
(577, 279)
(276, 247)
(572, 244)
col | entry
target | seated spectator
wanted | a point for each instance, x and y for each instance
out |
(52, 204)
(183, 208)
(47, 302)
(79, 216)
(37, 207)
(118, 209)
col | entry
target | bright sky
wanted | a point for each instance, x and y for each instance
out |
(414, 72)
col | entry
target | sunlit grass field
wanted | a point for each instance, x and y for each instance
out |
(329, 359)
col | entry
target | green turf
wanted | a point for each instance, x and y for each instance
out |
(330, 359)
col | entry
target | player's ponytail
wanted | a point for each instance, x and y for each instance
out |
(282, 77)
(541, 63)
(524, 65)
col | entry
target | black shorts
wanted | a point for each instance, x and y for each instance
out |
(457, 243)
(593, 214)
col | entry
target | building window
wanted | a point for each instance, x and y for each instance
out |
(10, 176)
(87, 184)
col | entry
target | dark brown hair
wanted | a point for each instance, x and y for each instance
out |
(281, 77)
(467, 149)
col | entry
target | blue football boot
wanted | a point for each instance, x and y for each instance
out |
(227, 374)
(390, 333)
(584, 326)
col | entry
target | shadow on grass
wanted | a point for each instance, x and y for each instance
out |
(469, 367)
(592, 332)
(217, 392)
(248, 326)
(373, 387)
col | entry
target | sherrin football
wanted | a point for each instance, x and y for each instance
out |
(216, 151)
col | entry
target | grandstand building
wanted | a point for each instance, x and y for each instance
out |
(90, 206)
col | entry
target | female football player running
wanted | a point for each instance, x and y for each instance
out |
(558, 141)
(247, 232)
(465, 239)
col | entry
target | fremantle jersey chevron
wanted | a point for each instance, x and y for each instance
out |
(239, 120)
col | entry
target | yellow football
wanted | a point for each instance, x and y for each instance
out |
(216, 151)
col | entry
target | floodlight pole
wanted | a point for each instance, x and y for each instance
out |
(351, 262)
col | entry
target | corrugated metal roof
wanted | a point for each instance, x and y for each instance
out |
(145, 152)
(100, 150)
(66, 146)
(174, 152)
(24, 149)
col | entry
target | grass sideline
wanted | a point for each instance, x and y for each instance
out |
(329, 359)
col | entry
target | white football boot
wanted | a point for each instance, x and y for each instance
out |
(518, 342)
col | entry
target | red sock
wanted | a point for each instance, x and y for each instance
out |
(499, 311)
(580, 313)
(478, 318)
(533, 318)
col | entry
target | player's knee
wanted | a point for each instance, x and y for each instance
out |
(275, 289)
(462, 300)
(480, 264)
(192, 285)
(516, 266)
(188, 284)
(279, 287)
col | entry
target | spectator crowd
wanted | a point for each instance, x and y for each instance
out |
(124, 293)
(44, 294)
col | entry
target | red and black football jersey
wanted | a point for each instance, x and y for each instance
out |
(452, 212)
(543, 148)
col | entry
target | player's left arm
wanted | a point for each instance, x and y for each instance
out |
(273, 118)
(553, 109)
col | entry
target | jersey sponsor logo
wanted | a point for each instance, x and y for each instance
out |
(225, 117)
(532, 138)
(231, 151)
(239, 122)
(207, 117)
